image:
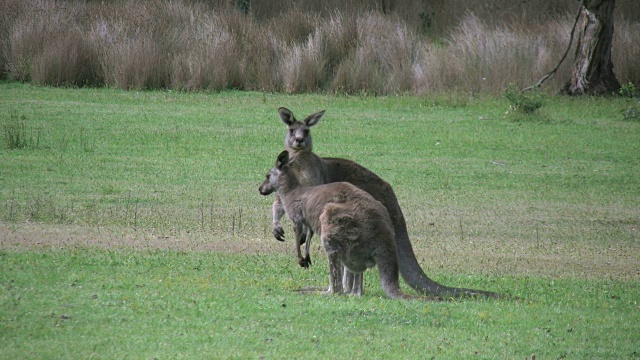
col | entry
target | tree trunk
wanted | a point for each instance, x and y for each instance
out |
(593, 69)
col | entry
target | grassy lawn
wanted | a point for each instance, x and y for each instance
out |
(131, 227)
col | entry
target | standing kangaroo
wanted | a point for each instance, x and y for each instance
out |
(311, 170)
(354, 227)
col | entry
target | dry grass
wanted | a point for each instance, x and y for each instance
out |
(210, 57)
(46, 236)
(302, 65)
(381, 60)
(388, 47)
(626, 56)
(470, 255)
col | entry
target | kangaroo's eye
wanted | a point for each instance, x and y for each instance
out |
(291, 131)
(306, 132)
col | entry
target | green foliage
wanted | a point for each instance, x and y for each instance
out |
(524, 106)
(526, 103)
(632, 112)
(629, 90)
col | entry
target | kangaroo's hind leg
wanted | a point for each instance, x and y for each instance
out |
(335, 273)
(352, 283)
(302, 261)
(307, 245)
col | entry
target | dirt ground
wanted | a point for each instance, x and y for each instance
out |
(616, 263)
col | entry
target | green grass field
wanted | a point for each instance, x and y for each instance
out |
(131, 227)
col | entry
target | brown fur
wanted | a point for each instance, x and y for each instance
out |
(355, 229)
(311, 169)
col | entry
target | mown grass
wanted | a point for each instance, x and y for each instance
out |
(76, 303)
(135, 229)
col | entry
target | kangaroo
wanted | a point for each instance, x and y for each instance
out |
(355, 229)
(311, 170)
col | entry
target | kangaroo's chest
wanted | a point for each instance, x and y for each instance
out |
(310, 177)
(309, 170)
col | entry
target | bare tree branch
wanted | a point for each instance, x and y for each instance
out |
(552, 73)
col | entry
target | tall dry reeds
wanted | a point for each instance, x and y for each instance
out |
(359, 46)
(484, 58)
(302, 65)
(626, 54)
(381, 60)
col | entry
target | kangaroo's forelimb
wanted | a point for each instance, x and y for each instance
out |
(303, 261)
(278, 212)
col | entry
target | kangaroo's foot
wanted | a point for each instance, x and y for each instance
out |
(278, 232)
(305, 262)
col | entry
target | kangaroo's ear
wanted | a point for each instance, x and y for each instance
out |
(283, 159)
(313, 118)
(286, 115)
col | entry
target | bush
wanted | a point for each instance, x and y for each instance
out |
(526, 103)
(629, 90)
(525, 106)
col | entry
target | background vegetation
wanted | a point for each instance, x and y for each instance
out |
(376, 47)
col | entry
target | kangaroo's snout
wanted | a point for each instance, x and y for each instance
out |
(267, 187)
(298, 142)
(264, 190)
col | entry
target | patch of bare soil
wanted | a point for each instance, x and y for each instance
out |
(28, 236)
(620, 262)
(605, 263)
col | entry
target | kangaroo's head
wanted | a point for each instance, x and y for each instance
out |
(298, 137)
(270, 183)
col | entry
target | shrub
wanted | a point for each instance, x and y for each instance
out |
(629, 90)
(522, 102)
